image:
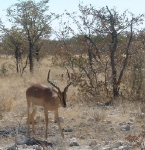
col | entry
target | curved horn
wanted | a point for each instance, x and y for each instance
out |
(70, 81)
(52, 82)
(68, 74)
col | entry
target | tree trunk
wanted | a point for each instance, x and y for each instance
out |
(31, 60)
(37, 54)
(115, 91)
(115, 84)
(17, 60)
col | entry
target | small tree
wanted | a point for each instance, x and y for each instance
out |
(13, 39)
(138, 66)
(107, 35)
(32, 18)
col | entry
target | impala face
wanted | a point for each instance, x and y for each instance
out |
(62, 97)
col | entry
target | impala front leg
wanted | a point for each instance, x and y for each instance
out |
(46, 120)
(58, 122)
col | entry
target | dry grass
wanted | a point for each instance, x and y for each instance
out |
(78, 115)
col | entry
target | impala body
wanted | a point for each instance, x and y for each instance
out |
(39, 95)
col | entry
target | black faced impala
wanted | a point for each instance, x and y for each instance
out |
(49, 98)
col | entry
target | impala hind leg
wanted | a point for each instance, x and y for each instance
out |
(58, 122)
(32, 119)
(28, 120)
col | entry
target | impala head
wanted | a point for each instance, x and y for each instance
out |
(61, 95)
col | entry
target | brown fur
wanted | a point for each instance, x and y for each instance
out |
(46, 97)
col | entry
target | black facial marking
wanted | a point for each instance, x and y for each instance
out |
(64, 101)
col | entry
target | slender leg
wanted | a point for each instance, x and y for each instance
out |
(55, 117)
(32, 119)
(46, 120)
(28, 119)
(58, 122)
(30, 122)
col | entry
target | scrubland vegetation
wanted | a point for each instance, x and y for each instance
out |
(81, 112)
(105, 58)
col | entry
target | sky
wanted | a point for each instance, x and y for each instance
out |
(58, 6)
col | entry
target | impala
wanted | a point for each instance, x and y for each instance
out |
(49, 98)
